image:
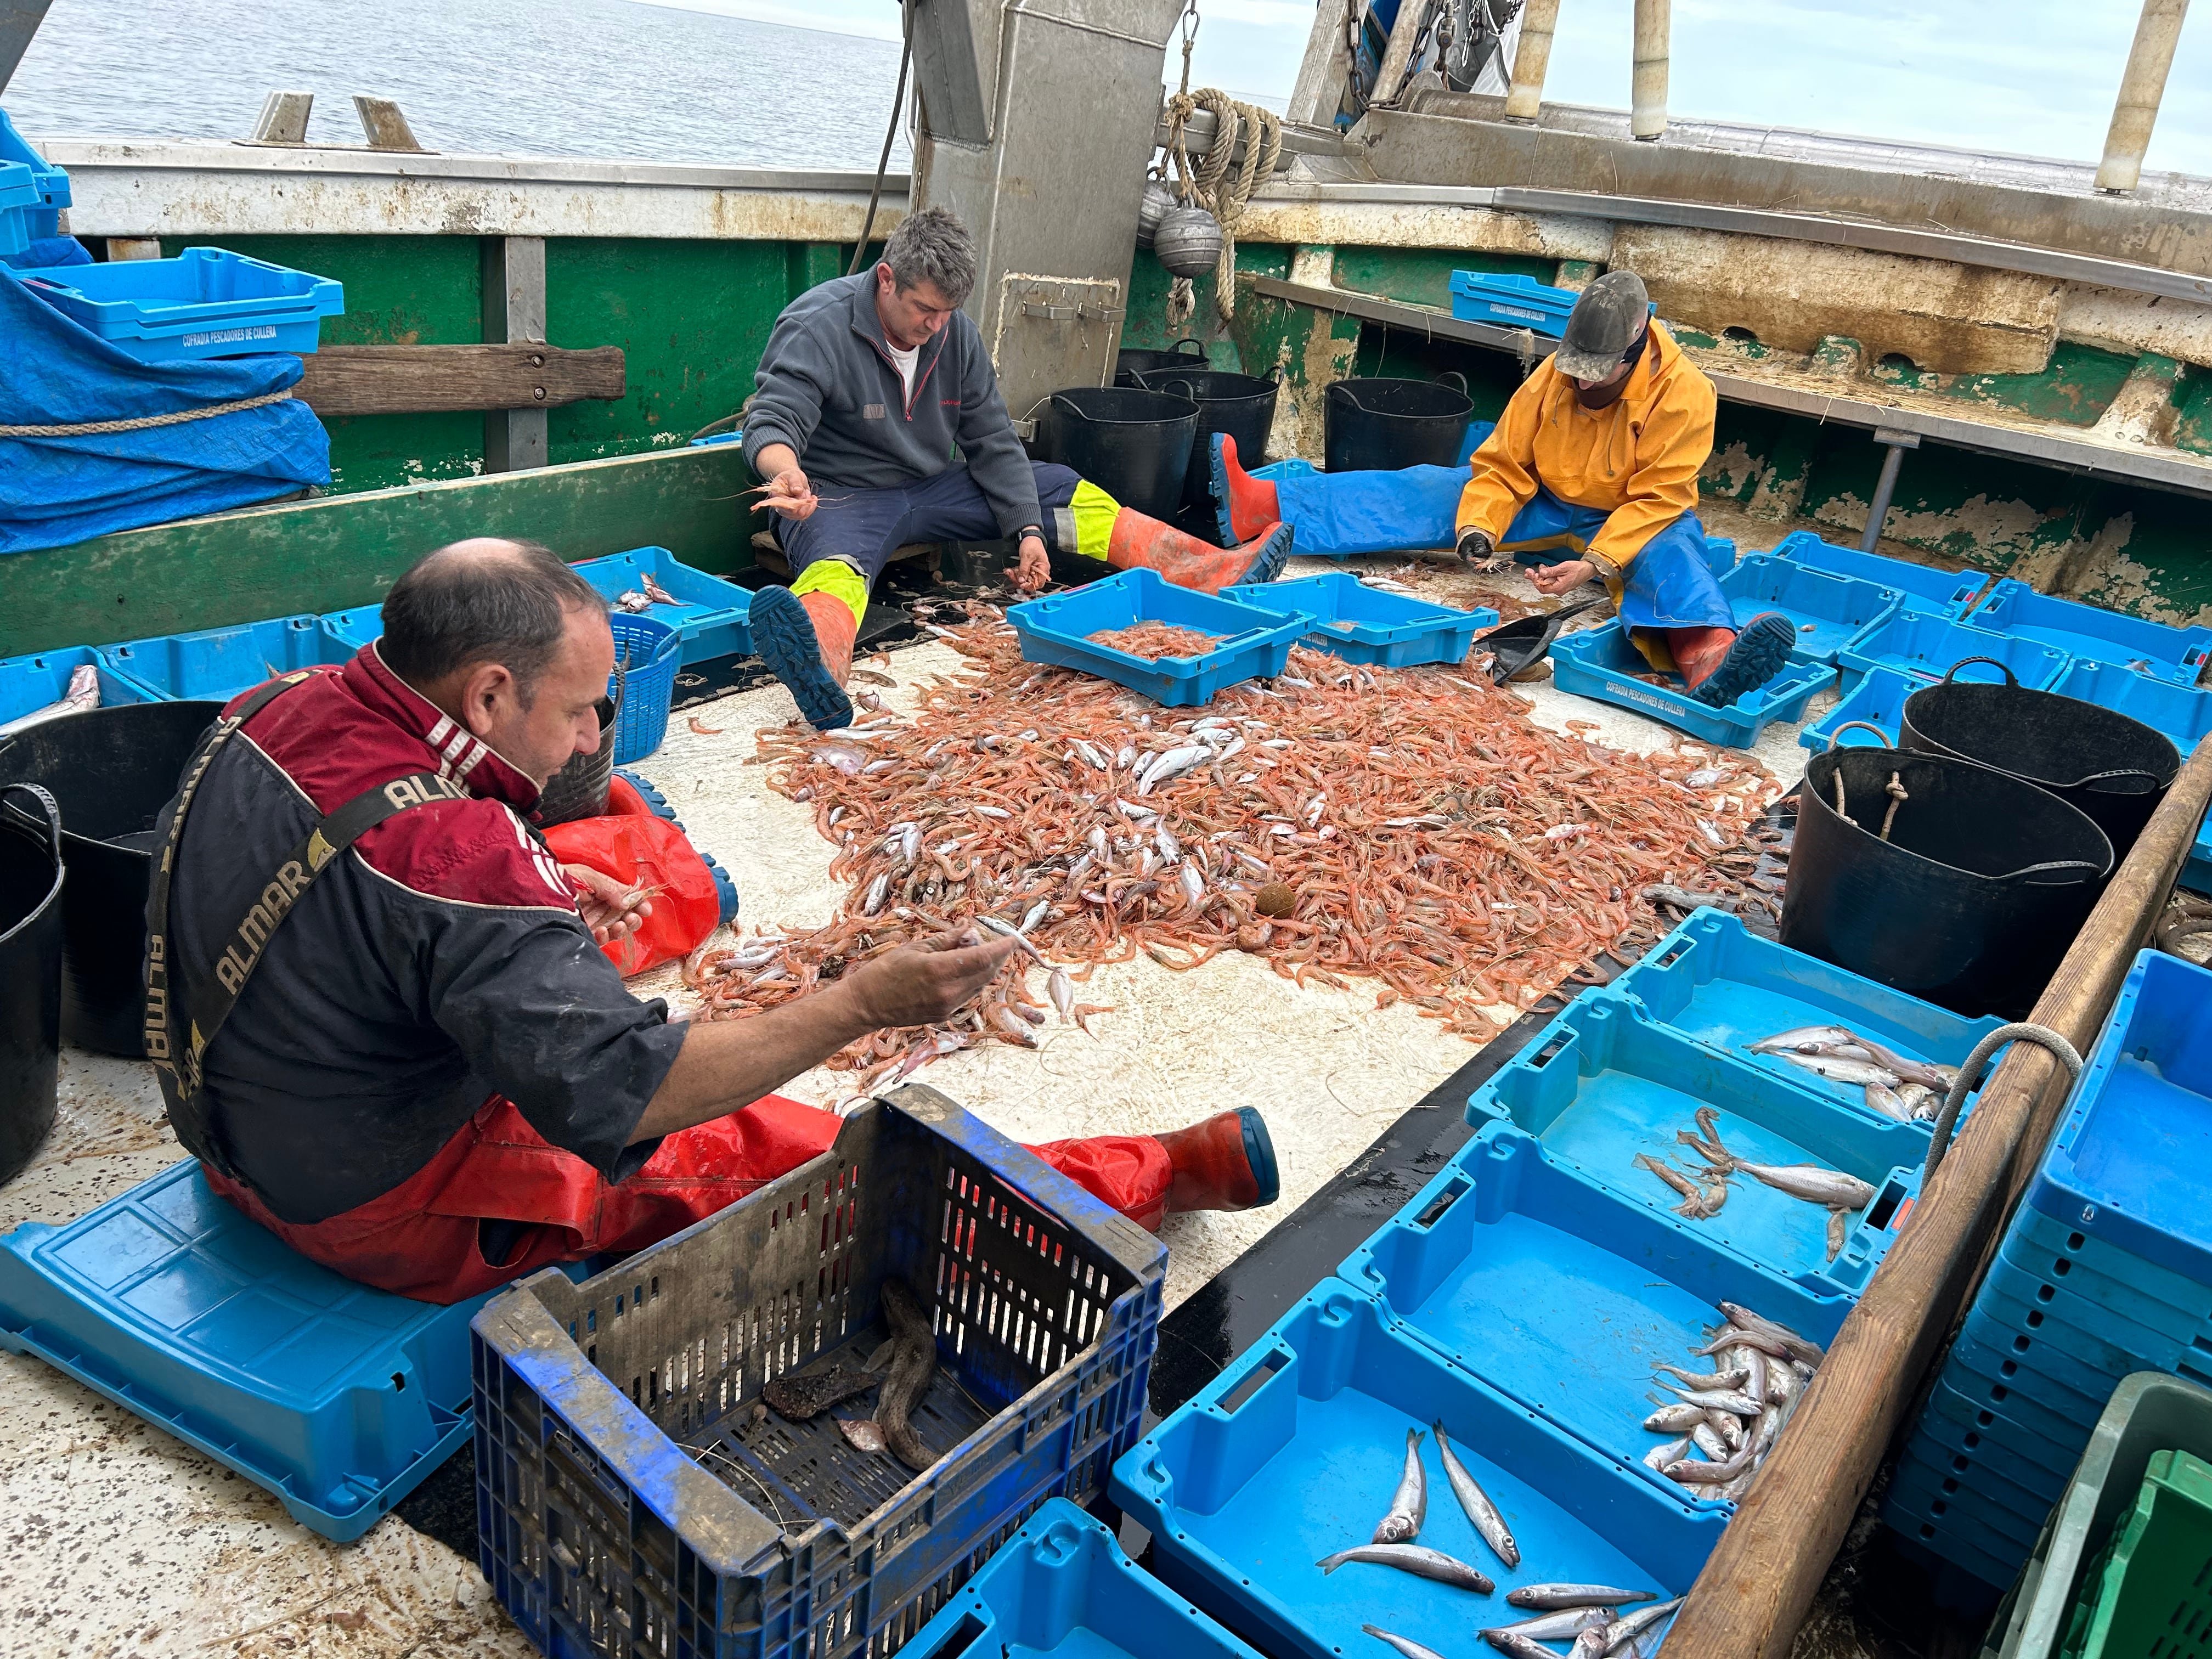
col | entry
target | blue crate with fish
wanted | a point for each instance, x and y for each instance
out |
(1604, 664)
(206, 302)
(2183, 714)
(32, 193)
(1609, 1093)
(632, 1476)
(171, 1302)
(1365, 624)
(1513, 1269)
(44, 679)
(1921, 588)
(1511, 300)
(219, 663)
(1927, 647)
(1828, 611)
(710, 616)
(1878, 700)
(1062, 1586)
(1722, 986)
(1245, 642)
(2091, 633)
(1302, 1444)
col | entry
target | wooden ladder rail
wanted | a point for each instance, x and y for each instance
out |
(1759, 1583)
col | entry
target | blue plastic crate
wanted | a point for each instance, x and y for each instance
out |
(1878, 699)
(711, 617)
(1511, 301)
(1250, 643)
(1982, 1363)
(1603, 663)
(32, 193)
(2045, 1250)
(1061, 1586)
(1928, 647)
(1292, 1452)
(2131, 1161)
(352, 629)
(1365, 624)
(33, 681)
(338, 1398)
(2056, 1416)
(1828, 611)
(1598, 1086)
(1967, 1454)
(1922, 588)
(1514, 1269)
(2090, 633)
(206, 302)
(604, 1408)
(1990, 1430)
(2098, 1330)
(1719, 984)
(1942, 1551)
(1986, 1519)
(2037, 1367)
(219, 663)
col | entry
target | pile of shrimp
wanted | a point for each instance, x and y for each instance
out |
(1412, 828)
(1154, 640)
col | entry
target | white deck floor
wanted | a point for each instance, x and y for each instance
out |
(123, 1541)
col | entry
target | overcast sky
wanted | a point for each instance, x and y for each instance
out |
(2030, 76)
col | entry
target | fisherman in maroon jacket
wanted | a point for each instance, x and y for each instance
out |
(379, 1006)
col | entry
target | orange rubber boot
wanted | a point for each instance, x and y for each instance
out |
(1189, 562)
(806, 641)
(1720, 664)
(1699, 651)
(1245, 505)
(1225, 1162)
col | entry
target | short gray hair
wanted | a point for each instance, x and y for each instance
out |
(505, 601)
(933, 246)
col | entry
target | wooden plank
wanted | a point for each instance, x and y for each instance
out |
(344, 551)
(416, 380)
(1756, 1588)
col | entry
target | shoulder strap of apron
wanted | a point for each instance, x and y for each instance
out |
(184, 1006)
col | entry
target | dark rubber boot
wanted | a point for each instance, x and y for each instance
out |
(807, 643)
(1243, 506)
(1226, 1163)
(1758, 653)
(1189, 562)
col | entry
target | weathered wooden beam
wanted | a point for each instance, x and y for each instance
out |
(1756, 1588)
(416, 380)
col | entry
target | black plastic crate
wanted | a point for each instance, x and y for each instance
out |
(631, 1503)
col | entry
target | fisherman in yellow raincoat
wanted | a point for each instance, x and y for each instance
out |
(1590, 474)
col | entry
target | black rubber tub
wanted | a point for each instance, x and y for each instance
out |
(31, 882)
(1240, 406)
(2113, 770)
(578, 789)
(112, 770)
(1380, 425)
(1132, 360)
(1971, 900)
(1134, 444)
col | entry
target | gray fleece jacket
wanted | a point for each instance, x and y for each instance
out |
(827, 386)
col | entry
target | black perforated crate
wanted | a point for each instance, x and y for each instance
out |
(632, 1500)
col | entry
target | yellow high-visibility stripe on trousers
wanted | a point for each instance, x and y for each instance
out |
(1094, 511)
(838, 580)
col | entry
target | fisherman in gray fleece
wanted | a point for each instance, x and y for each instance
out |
(877, 386)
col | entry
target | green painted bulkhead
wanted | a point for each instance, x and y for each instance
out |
(692, 317)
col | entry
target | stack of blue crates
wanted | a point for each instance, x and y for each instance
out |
(32, 192)
(2104, 1270)
(1521, 1301)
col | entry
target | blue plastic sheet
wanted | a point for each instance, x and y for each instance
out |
(55, 490)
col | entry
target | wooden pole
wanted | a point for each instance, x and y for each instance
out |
(2142, 85)
(1754, 1591)
(1532, 59)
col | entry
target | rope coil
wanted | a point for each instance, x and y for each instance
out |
(1209, 183)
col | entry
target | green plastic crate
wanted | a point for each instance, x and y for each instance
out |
(2149, 1412)
(2149, 1598)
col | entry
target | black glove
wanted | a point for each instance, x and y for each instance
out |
(1475, 545)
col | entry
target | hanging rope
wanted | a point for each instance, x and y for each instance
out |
(1207, 182)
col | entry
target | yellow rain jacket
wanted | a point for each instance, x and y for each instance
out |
(1636, 460)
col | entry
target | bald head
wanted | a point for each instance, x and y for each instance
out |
(485, 599)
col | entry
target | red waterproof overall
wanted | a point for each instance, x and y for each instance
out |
(420, 1239)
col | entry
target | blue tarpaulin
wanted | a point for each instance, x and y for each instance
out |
(57, 489)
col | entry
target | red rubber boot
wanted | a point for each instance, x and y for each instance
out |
(1720, 664)
(1189, 562)
(1244, 504)
(1225, 1162)
(806, 641)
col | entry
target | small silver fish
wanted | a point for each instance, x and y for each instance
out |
(1794, 1346)
(1731, 1379)
(1732, 1401)
(1170, 847)
(1812, 1183)
(1917, 1097)
(1036, 914)
(1514, 1645)
(1010, 1023)
(877, 890)
(1708, 1440)
(1912, 1071)
(1667, 1452)
(1783, 1042)
(1416, 1558)
(1409, 1504)
(1880, 1097)
(1692, 1473)
(1412, 1649)
(1476, 1501)
(1839, 1232)
(1627, 1628)
(1591, 1644)
(1062, 991)
(1194, 885)
(1677, 1418)
(1544, 1598)
(1704, 777)
(991, 812)
(1558, 1626)
(1841, 1068)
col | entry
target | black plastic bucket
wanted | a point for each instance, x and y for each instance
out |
(1134, 444)
(1380, 425)
(1971, 900)
(112, 770)
(30, 971)
(2113, 770)
(578, 789)
(1132, 360)
(1242, 405)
